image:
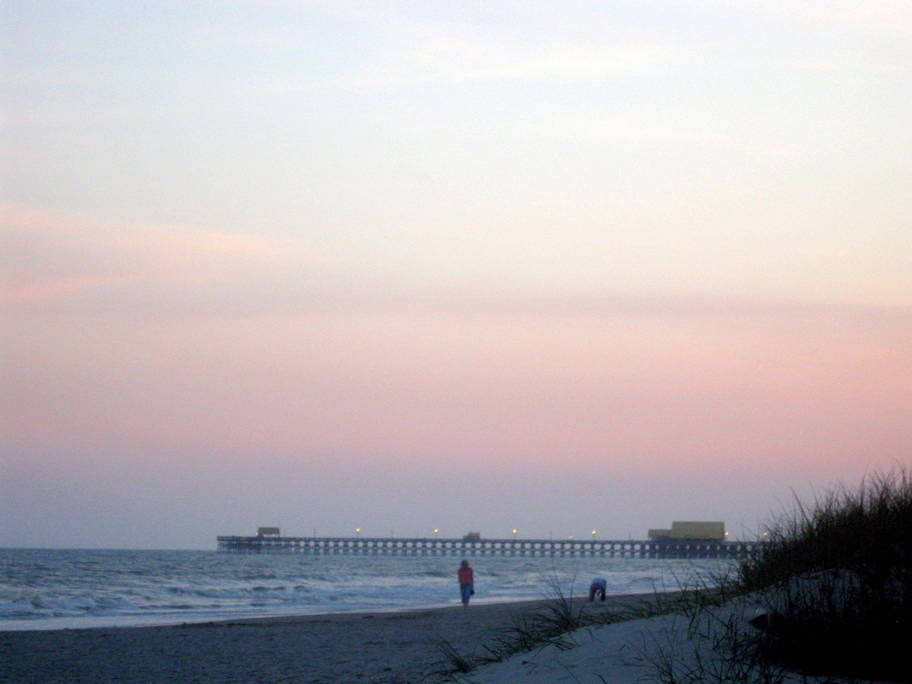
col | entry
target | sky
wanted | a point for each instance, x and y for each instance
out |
(403, 266)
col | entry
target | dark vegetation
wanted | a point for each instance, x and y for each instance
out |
(551, 626)
(839, 577)
(835, 577)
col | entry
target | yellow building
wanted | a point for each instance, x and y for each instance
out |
(691, 530)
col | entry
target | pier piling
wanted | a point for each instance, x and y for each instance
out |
(620, 548)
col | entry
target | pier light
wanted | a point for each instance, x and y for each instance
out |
(514, 532)
(436, 530)
(594, 532)
(358, 531)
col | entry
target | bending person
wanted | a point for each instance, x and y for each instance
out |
(598, 587)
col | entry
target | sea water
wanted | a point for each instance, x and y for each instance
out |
(57, 589)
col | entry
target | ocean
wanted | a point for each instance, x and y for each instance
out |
(59, 589)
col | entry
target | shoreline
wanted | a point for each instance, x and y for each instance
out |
(177, 622)
(389, 647)
(476, 606)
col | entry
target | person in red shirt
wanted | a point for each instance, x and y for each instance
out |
(466, 581)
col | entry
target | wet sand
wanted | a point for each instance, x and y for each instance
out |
(390, 648)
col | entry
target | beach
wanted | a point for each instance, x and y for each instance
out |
(384, 647)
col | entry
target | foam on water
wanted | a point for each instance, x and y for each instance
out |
(55, 589)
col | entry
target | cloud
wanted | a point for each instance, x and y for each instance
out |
(51, 256)
(425, 43)
(61, 264)
(889, 16)
(417, 44)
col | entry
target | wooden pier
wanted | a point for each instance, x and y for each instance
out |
(433, 546)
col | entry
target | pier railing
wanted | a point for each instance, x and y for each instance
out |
(432, 546)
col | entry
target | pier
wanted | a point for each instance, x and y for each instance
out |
(433, 546)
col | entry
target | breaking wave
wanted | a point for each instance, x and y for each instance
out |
(48, 589)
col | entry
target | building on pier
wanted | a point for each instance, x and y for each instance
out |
(713, 531)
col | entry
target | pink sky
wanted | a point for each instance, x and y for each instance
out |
(617, 412)
(406, 266)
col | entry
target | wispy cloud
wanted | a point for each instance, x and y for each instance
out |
(54, 256)
(436, 45)
(883, 16)
(61, 264)
(431, 43)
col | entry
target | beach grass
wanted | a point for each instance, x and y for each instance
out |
(551, 625)
(837, 574)
(833, 582)
(560, 616)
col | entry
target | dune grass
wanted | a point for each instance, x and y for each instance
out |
(838, 577)
(835, 577)
(551, 625)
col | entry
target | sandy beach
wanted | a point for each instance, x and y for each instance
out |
(388, 648)
(395, 648)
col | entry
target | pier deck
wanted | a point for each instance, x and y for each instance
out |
(621, 548)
